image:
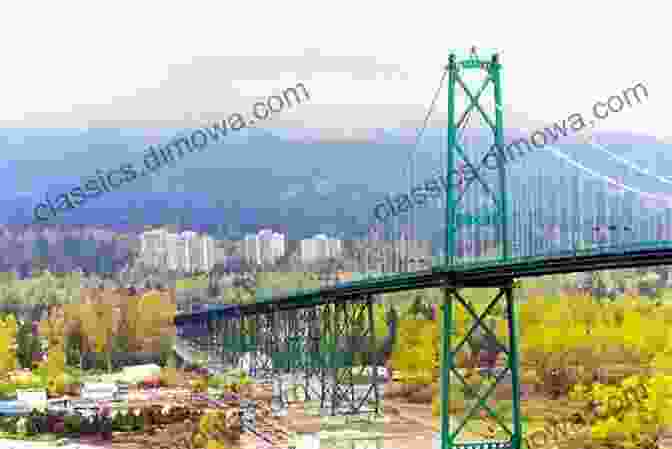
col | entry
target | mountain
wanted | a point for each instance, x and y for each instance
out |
(290, 181)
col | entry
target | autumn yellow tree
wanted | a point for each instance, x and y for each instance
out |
(8, 331)
(95, 321)
(53, 328)
(145, 319)
(155, 315)
(414, 356)
(129, 313)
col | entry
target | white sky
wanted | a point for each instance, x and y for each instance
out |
(148, 63)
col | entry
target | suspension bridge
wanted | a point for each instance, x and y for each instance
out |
(322, 336)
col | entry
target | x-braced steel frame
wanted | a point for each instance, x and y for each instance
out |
(351, 357)
(329, 347)
(513, 434)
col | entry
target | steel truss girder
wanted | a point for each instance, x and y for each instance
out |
(329, 346)
(320, 344)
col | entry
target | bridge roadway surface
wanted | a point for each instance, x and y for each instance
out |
(484, 274)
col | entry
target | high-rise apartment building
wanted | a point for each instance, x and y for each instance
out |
(187, 251)
(209, 253)
(278, 245)
(265, 238)
(264, 247)
(182, 260)
(251, 249)
(153, 247)
(320, 247)
(171, 251)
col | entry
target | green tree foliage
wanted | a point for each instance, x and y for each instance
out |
(7, 277)
(166, 350)
(27, 344)
(73, 346)
(45, 290)
(274, 283)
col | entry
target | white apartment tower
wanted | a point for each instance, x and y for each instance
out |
(182, 260)
(153, 247)
(264, 247)
(278, 245)
(187, 251)
(209, 253)
(319, 247)
(251, 249)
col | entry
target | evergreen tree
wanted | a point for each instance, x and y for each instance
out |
(27, 344)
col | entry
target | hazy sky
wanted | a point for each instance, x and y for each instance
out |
(366, 63)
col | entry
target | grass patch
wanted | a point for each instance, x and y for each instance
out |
(186, 284)
(42, 437)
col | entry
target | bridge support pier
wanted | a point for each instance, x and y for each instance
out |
(352, 385)
(481, 337)
(326, 346)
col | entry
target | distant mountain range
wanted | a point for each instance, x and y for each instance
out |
(292, 182)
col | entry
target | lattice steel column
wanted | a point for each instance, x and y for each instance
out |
(231, 345)
(313, 366)
(373, 355)
(351, 327)
(265, 346)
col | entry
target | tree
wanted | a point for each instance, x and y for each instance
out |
(420, 308)
(156, 313)
(145, 318)
(8, 331)
(53, 329)
(7, 277)
(415, 355)
(73, 346)
(96, 318)
(27, 344)
(126, 338)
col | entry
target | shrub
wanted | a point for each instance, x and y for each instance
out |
(632, 414)
(56, 386)
(168, 377)
(217, 381)
(218, 426)
(7, 390)
(199, 386)
(416, 352)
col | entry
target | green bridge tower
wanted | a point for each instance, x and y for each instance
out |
(502, 413)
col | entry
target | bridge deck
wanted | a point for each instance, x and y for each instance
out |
(483, 274)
